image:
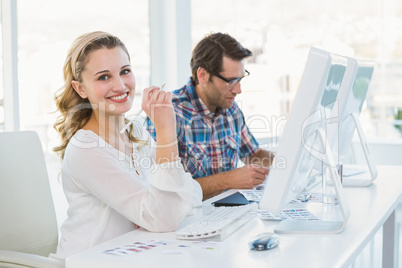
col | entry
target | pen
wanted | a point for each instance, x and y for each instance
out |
(137, 114)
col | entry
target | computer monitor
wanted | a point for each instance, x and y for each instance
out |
(304, 139)
(350, 100)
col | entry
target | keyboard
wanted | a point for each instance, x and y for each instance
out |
(219, 223)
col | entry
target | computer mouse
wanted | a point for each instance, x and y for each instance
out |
(259, 187)
(263, 241)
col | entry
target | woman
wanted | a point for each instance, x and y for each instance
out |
(115, 182)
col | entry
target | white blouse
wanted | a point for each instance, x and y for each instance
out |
(107, 194)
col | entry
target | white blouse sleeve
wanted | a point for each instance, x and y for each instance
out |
(158, 200)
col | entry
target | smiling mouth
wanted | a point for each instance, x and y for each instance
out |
(120, 97)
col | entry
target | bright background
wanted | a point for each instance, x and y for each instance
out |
(279, 32)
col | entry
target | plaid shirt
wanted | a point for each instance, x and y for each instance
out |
(209, 143)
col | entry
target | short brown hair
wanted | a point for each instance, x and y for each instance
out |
(209, 53)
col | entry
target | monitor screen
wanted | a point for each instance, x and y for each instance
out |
(351, 99)
(312, 106)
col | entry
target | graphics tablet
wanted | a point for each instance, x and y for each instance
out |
(236, 199)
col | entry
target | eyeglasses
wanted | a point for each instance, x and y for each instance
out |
(231, 82)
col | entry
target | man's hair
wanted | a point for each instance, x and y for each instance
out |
(210, 51)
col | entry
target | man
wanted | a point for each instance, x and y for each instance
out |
(211, 129)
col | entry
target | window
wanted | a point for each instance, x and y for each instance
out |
(46, 30)
(1, 86)
(280, 34)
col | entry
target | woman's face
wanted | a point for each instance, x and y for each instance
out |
(107, 81)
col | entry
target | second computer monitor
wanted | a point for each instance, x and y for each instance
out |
(350, 100)
(299, 145)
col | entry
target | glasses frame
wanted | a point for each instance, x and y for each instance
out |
(231, 82)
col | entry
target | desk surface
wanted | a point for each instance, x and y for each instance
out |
(369, 206)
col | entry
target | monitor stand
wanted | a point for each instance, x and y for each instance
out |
(290, 226)
(360, 178)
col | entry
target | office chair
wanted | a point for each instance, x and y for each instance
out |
(28, 225)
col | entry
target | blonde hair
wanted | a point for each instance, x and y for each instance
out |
(74, 110)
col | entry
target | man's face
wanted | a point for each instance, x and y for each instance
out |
(219, 93)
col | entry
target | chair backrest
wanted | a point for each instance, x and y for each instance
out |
(27, 216)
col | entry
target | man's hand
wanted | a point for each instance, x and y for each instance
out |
(240, 178)
(246, 177)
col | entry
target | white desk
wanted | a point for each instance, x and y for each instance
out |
(371, 208)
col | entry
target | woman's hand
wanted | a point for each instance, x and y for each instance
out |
(157, 104)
